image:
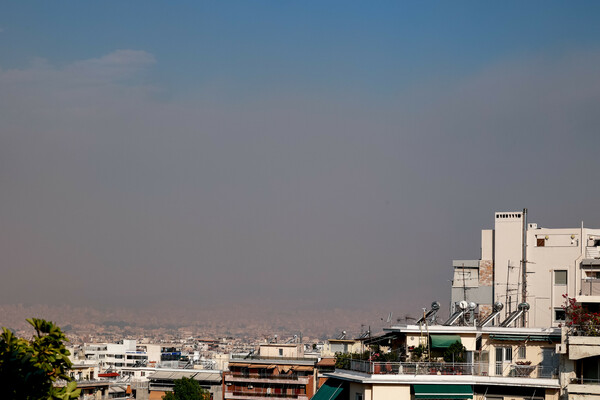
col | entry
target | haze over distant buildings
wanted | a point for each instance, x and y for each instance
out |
(284, 154)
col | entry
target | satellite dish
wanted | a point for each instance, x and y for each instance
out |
(524, 306)
(435, 305)
(472, 305)
(498, 306)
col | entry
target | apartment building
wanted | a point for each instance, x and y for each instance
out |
(499, 363)
(125, 354)
(274, 371)
(523, 262)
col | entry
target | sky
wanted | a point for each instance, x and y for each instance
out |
(313, 154)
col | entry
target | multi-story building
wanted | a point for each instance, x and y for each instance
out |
(522, 262)
(162, 380)
(125, 354)
(276, 371)
(496, 363)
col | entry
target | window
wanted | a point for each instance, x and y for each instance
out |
(541, 242)
(522, 352)
(560, 277)
(559, 315)
(358, 396)
(281, 352)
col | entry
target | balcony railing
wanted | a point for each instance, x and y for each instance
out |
(444, 368)
(590, 287)
(273, 357)
(584, 329)
(265, 394)
(273, 377)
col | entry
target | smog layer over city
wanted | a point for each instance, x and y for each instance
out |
(243, 171)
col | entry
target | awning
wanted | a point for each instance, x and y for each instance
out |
(330, 390)
(161, 375)
(443, 391)
(302, 368)
(234, 364)
(443, 341)
(326, 362)
(258, 366)
(528, 338)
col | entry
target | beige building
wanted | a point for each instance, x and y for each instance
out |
(277, 370)
(556, 261)
(500, 364)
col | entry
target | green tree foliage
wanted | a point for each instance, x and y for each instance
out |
(187, 389)
(28, 368)
(455, 352)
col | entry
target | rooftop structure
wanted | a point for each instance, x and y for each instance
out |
(522, 262)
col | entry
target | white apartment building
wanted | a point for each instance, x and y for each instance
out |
(557, 261)
(125, 354)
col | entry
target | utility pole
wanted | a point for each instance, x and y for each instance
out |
(524, 267)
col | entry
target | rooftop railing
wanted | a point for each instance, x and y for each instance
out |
(445, 368)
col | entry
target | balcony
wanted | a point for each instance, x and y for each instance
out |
(444, 368)
(249, 395)
(287, 379)
(590, 287)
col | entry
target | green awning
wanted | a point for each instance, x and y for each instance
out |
(443, 341)
(331, 389)
(443, 391)
(527, 338)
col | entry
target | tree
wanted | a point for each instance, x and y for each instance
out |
(28, 368)
(455, 352)
(187, 389)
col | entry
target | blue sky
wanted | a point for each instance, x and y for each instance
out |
(306, 150)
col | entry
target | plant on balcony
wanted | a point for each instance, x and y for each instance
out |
(417, 353)
(579, 320)
(455, 353)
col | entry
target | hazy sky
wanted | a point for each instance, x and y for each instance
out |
(335, 154)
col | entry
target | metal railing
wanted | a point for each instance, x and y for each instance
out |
(259, 376)
(265, 394)
(585, 329)
(585, 381)
(445, 368)
(274, 357)
(590, 287)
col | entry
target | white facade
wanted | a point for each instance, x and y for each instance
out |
(558, 261)
(126, 354)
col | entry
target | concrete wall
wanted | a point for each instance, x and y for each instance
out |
(390, 392)
(280, 350)
(508, 238)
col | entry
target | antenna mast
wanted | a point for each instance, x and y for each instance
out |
(524, 266)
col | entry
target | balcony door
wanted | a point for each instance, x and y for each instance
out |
(503, 359)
